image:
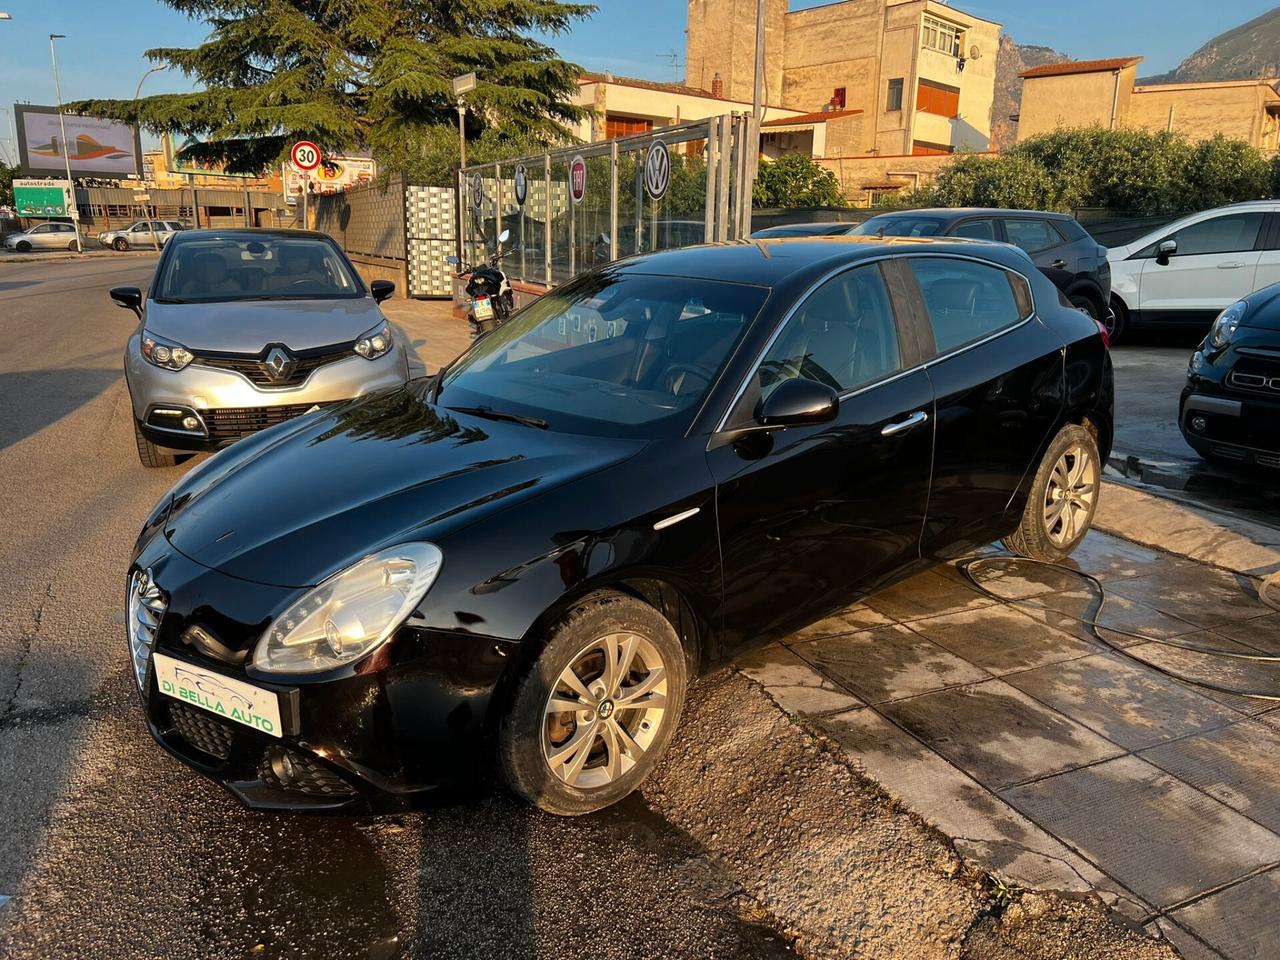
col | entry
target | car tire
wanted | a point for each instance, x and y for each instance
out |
(71, 246)
(1087, 303)
(1070, 471)
(22, 246)
(602, 756)
(1119, 320)
(149, 453)
(120, 243)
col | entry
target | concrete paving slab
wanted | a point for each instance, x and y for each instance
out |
(984, 829)
(849, 620)
(926, 594)
(1118, 611)
(1238, 764)
(794, 685)
(1001, 639)
(1186, 944)
(1261, 634)
(998, 734)
(887, 663)
(1219, 671)
(1200, 595)
(1238, 922)
(1128, 704)
(1161, 838)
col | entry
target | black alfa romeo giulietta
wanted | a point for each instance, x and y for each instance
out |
(519, 564)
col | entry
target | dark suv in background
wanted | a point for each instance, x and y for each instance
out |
(1059, 246)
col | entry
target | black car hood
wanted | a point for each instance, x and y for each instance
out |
(301, 501)
(1264, 309)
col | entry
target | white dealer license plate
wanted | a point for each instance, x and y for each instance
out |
(225, 696)
(483, 308)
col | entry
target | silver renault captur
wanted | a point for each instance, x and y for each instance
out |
(244, 329)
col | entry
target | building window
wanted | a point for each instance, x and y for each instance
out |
(625, 126)
(923, 148)
(894, 100)
(837, 98)
(942, 36)
(938, 98)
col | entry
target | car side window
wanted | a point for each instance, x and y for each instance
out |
(966, 300)
(139, 228)
(976, 230)
(843, 335)
(1032, 235)
(42, 228)
(1233, 233)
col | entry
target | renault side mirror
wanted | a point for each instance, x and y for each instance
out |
(128, 297)
(1166, 250)
(796, 402)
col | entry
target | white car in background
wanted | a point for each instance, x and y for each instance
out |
(43, 236)
(1186, 273)
(141, 234)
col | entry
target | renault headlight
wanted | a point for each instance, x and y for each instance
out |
(164, 353)
(376, 343)
(350, 614)
(1224, 328)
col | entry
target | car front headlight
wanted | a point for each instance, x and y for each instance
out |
(164, 353)
(350, 614)
(375, 343)
(1224, 328)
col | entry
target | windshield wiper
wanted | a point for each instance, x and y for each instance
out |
(493, 414)
(171, 300)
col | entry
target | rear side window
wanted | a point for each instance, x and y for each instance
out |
(967, 301)
(899, 226)
(1032, 235)
(976, 230)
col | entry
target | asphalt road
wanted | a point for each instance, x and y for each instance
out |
(110, 849)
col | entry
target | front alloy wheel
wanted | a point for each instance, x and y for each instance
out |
(597, 709)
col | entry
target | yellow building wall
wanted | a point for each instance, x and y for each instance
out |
(722, 39)
(1074, 100)
(1200, 112)
(857, 173)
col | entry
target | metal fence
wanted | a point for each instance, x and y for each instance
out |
(366, 220)
(559, 232)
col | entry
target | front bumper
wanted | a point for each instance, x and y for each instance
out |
(1230, 426)
(412, 719)
(227, 406)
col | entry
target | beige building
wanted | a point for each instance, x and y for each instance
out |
(1105, 93)
(908, 77)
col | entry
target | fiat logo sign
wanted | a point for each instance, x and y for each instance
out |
(577, 179)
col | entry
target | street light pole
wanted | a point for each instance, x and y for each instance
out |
(151, 224)
(62, 126)
(461, 86)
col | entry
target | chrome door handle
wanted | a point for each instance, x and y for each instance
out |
(1059, 264)
(1230, 266)
(902, 426)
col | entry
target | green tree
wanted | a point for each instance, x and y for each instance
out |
(1223, 171)
(796, 181)
(1007, 180)
(7, 173)
(359, 74)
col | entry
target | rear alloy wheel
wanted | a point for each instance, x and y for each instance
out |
(1064, 498)
(120, 243)
(23, 246)
(149, 454)
(598, 708)
(1117, 320)
(1086, 303)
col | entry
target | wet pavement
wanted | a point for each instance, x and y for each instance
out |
(1060, 760)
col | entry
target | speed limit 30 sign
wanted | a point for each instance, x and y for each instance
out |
(305, 155)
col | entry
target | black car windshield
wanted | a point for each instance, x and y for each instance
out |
(208, 269)
(900, 226)
(617, 355)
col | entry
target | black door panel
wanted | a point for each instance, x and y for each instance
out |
(812, 518)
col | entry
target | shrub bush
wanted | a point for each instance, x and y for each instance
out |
(796, 181)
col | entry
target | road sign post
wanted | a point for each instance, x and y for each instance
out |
(305, 156)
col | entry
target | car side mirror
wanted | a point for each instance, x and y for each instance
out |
(128, 297)
(1166, 250)
(381, 289)
(796, 402)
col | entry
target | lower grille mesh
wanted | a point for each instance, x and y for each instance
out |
(202, 731)
(233, 423)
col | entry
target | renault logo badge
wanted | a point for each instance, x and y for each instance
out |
(279, 364)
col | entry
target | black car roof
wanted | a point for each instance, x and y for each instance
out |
(773, 260)
(963, 213)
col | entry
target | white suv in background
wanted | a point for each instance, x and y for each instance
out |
(1188, 272)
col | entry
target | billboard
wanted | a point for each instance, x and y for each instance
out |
(42, 198)
(96, 148)
(195, 168)
(334, 175)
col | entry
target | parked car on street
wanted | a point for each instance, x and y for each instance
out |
(43, 236)
(1185, 274)
(1230, 411)
(242, 329)
(144, 234)
(659, 465)
(1056, 243)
